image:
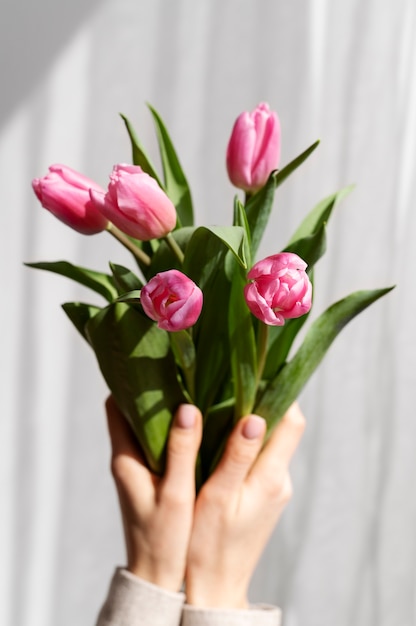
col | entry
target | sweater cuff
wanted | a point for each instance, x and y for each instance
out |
(131, 600)
(256, 615)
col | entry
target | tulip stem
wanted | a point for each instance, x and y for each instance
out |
(184, 351)
(175, 248)
(141, 256)
(262, 340)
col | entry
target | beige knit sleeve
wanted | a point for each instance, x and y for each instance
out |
(256, 615)
(134, 602)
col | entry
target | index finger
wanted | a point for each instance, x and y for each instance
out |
(126, 456)
(121, 436)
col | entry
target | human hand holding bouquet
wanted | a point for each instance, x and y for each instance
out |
(209, 545)
(201, 323)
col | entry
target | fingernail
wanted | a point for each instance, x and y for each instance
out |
(253, 428)
(186, 416)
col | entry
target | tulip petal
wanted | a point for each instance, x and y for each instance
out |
(73, 178)
(280, 290)
(65, 193)
(172, 300)
(137, 205)
(253, 150)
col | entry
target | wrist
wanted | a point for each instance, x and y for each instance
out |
(206, 594)
(163, 579)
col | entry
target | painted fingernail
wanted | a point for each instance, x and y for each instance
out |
(253, 427)
(186, 416)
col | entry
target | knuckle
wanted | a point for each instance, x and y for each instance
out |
(109, 403)
(119, 467)
(241, 455)
(295, 418)
(214, 498)
(279, 488)
(287, 491)
(205, 497)
(273, 489)
(174, 498)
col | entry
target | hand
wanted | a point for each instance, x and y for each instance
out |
(237, 509)
(157, 512)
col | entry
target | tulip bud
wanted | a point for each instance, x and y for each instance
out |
(280, 289)
(136, 204)
(65, 193)
(172, 300)
(254, 148)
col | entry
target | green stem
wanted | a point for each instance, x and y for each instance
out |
(125, 241)
(175, 248)
(189, 374)
(248, 195)
(184, 352)
(262, 340)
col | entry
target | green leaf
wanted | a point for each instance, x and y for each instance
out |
(309, 240)
(281, 175)
(139, 156)
(286, 386)
(243, 348)
(97, 281)
(164, 259)
(218, 424)
(280, 342)
(258, 209)
(176, 184)
(204, 256)
(205, 263)
(310, 248)
(259, 206)
(233, 237)
(319, 215)
(130, 297)
(240, 219)
(124, 279)
(137, 363)
(80, 313)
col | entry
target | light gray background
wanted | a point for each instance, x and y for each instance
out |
(345, 551)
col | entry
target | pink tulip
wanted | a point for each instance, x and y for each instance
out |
(280, 289)
(254, 148)
(172, 300)
(136, 204)
(65, 193)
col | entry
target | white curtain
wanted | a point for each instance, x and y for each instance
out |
(344, 553)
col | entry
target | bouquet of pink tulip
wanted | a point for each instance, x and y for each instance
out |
(200, 323)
